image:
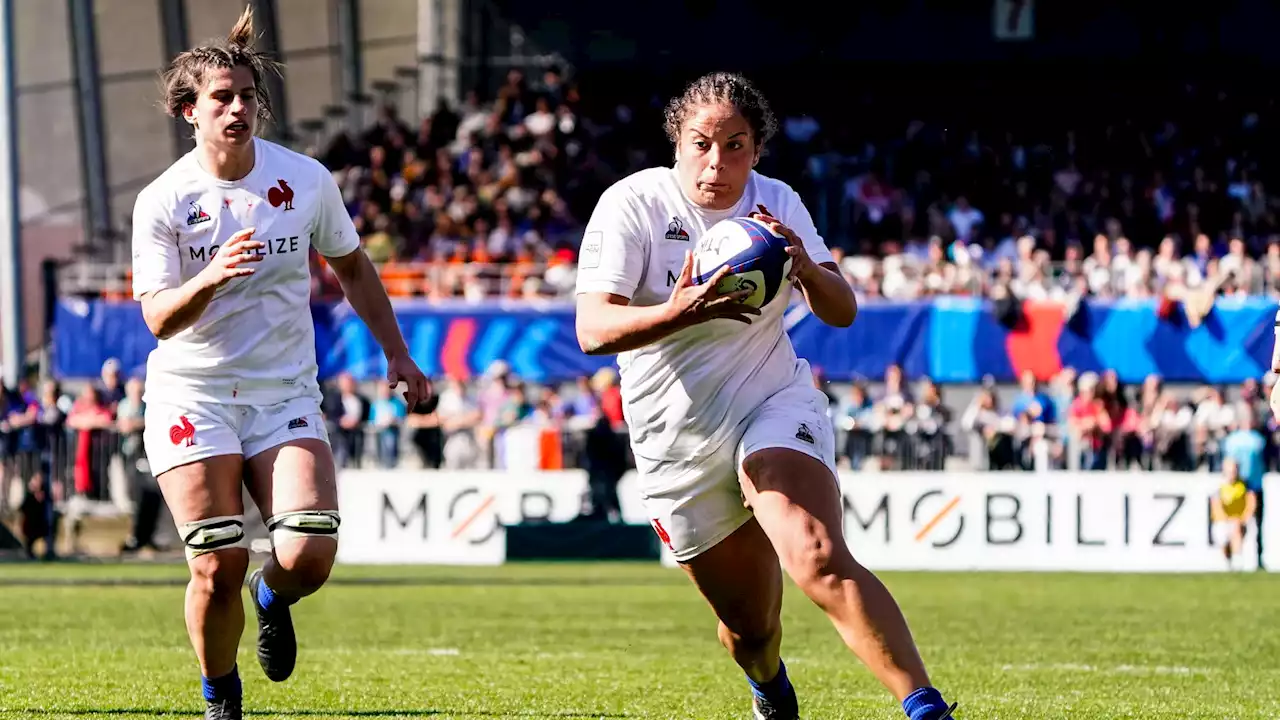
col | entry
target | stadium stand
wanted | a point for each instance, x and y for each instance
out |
(486, 201)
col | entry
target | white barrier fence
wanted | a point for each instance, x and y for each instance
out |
(1067, 521)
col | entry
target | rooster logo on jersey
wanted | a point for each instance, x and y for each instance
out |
(676, 231)
(282, 195)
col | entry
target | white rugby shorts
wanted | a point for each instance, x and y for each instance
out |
(694, 504)
(181, 432)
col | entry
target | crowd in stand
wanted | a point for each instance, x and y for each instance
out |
(489, 198)
(477, 201)
(1086, 422)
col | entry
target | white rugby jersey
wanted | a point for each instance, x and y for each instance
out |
(255, 343)
(687, 393)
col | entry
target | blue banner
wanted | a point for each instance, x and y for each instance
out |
(953, 340)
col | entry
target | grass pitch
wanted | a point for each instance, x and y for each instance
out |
(636, 641)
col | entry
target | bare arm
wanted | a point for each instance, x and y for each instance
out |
(170, 311)
(22, 418)
(828, 295)
(606, 324)
(825, 290)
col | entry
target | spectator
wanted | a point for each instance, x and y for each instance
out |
(51, 425)
(927, 428)
(1131, 448)
(1032, 405)
(8, 472)
(1211, 422)
(1036, 416)
(990, 433)
(22, 439)
(859, 424)
(1171, 419)
(39, 519)
(148, 501)
(491, 399)
(388, 416)
(1244, 446)
(92, 420)
(605, 460)
(111, 389)
(609, 393)
(459, 418)
(1233, 507)
(583, 406)
(893, 410)
(347, 410)
(965, 219)
(1090, 424)
(426, 431)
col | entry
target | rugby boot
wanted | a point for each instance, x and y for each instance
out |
(277, 644)
(785, 708)
(222, 710)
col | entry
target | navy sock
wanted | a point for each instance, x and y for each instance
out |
(778, 687)
(924, 704)
(268, 598)
(223, 688)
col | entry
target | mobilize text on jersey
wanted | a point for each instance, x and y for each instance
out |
(275, 246)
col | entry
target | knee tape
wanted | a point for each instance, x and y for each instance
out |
(304, 523)
(215, 533)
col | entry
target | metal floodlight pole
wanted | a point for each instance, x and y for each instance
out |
(14, 350)
(93, 153)
(350, 58)
(431, 51)
(266, 20)
(173, 19)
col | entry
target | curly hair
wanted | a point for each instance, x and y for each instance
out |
(727, 88)
(186, 74)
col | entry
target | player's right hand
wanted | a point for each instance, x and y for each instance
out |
(233, 259)
(699, 303)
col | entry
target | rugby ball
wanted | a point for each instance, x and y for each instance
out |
(756, 256)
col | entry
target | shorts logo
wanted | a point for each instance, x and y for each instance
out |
(183, 434)
(804, 434)
(662, 534)
(297, 423)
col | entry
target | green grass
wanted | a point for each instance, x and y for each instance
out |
(636, 641)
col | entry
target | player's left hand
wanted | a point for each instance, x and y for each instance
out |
(802, 266)
(403, 368)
